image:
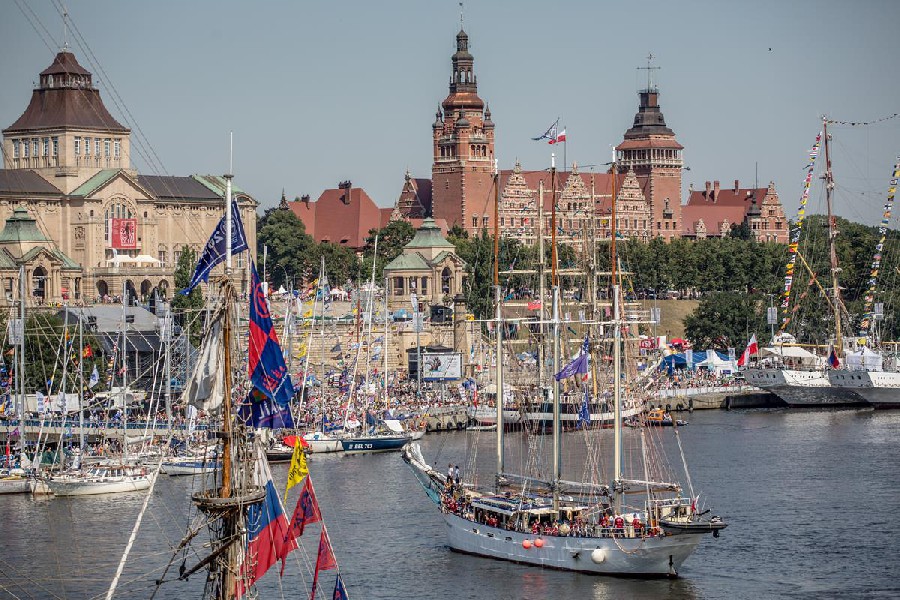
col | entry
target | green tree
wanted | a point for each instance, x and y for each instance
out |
(341, 263)
(292, 254)
(724, 320)
(186, 309)
(391, 240)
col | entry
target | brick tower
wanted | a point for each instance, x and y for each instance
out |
(463, 136)
(650, 149)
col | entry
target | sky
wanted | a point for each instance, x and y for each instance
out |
(318, 92)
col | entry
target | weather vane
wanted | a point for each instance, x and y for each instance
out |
(649, 70)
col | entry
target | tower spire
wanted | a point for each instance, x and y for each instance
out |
(649, 68)
(65, 29)
(460, 15)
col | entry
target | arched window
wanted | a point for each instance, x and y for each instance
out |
(117, 209)
(39, 283)
(446, 281)
(398, 286)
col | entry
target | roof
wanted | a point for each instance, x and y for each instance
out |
(25, 181)
(168, 187)
(713, 216)
(65, 104)
(22, 227)
(412, 261)
(339, 217)
(109, 317)
(731, 196)
(96, 181)
(67, 263)
(601, 182)
(428, 235)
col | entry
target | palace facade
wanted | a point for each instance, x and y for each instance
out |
(95, 226)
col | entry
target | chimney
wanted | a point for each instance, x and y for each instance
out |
(347, 187)
(715, 190)
(305, 199)
(737, 186)
(706, 193)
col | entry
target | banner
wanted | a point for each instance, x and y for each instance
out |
(440, 367)
(868, 315)
(123, 234)
(795, 233)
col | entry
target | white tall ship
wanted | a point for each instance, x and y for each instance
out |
(640, 523)
(865, 377)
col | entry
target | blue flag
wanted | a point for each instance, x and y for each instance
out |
(214, 251)
(550, 134)
(579, 365)
(339, 592)
(258, 411)
(584, 413)
(268, 372)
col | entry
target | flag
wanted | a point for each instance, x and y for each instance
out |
(268, 372)
(205, 389)
(561, 137)
(87, 352)
(214, 251)
(258, 410)
(833, 360)
(752, 348)
(268, 539)
(339, 592)
(95, 378)
(307, 510)
(324, 561)
(584, 413)
(534, 305)
(550, 134)
(298, 469)
(579, 365)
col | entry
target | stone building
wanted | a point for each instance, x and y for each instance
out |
(67, 164)
(428, 267)
(712, 211)
(463, 149)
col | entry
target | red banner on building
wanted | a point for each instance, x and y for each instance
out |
(123, 234)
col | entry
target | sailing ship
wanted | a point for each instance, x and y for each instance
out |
(587, 526)
(797, 376)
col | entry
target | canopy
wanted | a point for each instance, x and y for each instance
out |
(338, 293)
(864, 360)
(394, 425)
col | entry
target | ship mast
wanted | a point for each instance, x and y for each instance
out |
(832, 234)
(617, 352)
(498, 353)
(554, 286)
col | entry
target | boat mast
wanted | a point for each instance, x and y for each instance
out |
(384, 347)
(542, 360)
(20, 367)
(554, 286)
(832, 234)
(124, 374)
(80, 384)
(617, 351)
(322, 280)
(498, 298)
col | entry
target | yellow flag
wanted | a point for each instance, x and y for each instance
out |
(298, 468)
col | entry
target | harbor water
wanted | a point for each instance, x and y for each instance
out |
(810, 497)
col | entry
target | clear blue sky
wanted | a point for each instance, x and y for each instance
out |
(319, 92)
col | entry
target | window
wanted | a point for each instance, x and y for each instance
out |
(105, 148)
(398, 286)
(177, 255)
(474, 219)
(55, 146)
(116, 210)
(25, 147)
(118, 148)
(503, 221)
(413, 284)
(163, 256)
(484, 221)
(240, 260)
(77, 146)
(35, 147)
(15, 148)
(87, 146)
(45, 147)
(97, 147)
(446, 281)
(424, 286)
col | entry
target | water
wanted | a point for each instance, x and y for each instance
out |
(810, 497)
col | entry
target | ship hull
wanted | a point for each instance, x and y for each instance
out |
(647, 557)
(322, 442)
(880, 389)
(361, 445)
(802, 389)
(92, 487)
(15, 485)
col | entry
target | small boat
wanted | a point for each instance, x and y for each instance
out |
(101, 480)
(319, 441)
(660, 418)
(187, 465)
(374, 443)
(14, 481)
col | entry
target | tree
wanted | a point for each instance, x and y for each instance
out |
(292, 253)
(186, 309)
(391, 240)
(724, 320)
(341, 264)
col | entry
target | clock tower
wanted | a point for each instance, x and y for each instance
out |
(463, 144)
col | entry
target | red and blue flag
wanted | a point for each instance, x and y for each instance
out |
(307, 510)
(268, 539)
(268, 372)
(833, 360)
(340, 593)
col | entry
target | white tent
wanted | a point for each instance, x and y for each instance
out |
(338, 293)
(864, 360)
(717, 364)
(792, 355)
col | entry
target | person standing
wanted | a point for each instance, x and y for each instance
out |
(456, 475)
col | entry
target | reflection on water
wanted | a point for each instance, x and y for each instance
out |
(809, 496)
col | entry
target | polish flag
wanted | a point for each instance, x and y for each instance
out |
(561, 137)
(752, 348)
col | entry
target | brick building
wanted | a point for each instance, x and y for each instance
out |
(712, 211)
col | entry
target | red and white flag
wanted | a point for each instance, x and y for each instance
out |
(560, 137)
(752, 348)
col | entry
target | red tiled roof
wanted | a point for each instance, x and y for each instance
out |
(712, 215)
(649, 143)
(727, 197)
(602, 183)
(331, 219)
